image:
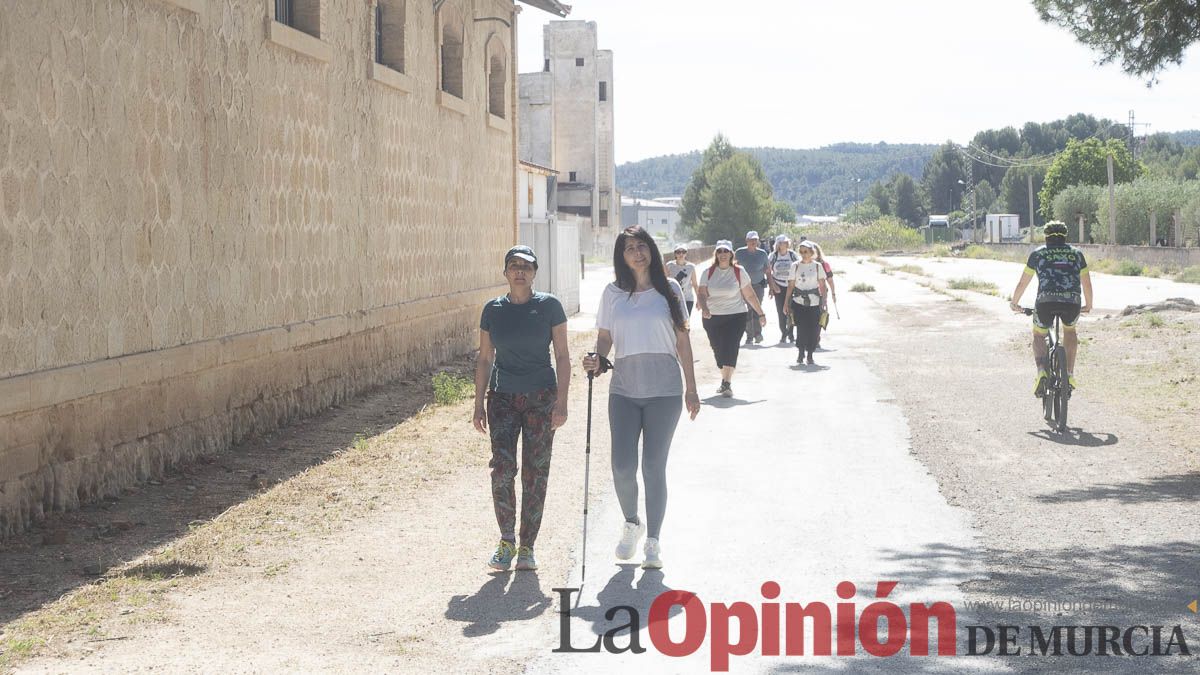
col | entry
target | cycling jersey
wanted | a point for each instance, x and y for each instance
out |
(1058, 269)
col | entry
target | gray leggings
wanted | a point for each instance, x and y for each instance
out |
(654, 420)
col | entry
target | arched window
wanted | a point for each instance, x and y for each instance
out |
(497, 77)
(389, 33)
(451, 48)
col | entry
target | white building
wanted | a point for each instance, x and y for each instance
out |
(658, 218)
(555, 240)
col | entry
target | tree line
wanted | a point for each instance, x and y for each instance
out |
(822, 181)
(994, 171)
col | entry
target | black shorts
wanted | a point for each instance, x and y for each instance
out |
(1043, 317)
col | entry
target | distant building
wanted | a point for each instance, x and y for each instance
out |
(817, 220)
(658, 218)
(566, 123)
(555, 240)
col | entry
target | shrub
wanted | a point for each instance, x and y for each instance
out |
(862, 288)
(972, 284)
(884, 234)
(450, 388)
(941, 251)
(1074, 200)
(910, 269)
(1190, 275)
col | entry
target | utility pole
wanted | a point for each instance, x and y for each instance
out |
(1112, 204)
(1029, 183)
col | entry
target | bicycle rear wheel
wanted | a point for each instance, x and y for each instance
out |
(1062, 392)
(1048, 405)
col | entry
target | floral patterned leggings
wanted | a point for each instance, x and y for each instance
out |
(529, 416)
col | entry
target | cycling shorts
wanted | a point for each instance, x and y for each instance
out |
(1043, 316)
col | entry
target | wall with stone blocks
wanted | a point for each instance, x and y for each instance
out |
(211, 224)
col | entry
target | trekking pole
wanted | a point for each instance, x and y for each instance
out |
(605, 364)
(835, 310)
(587, 466)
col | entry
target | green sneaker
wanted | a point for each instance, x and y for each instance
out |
(525, 559)
(1039, 384)
(503, 557)
(1071, 382)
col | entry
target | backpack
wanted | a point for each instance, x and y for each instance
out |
(737, 272)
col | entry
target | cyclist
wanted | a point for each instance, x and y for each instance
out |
(1062, 274)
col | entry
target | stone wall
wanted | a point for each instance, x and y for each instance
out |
(212, 223)
(1146, 255)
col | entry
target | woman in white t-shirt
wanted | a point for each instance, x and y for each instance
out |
(806, 288)
(684, 272)
(724, 294)
(779, 272)
(642, 316)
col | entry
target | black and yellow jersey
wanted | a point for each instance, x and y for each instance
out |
(1058, 269)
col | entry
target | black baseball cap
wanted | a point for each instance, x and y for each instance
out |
(523, 252)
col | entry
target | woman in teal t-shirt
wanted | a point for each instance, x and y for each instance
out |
(525, 397)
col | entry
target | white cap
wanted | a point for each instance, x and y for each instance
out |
(724, 244)
(681, 247)
(783, 239)
(806, 244)
(752, 234)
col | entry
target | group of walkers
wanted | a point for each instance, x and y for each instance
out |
(643, 319)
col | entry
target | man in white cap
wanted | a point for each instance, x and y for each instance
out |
(754, 260)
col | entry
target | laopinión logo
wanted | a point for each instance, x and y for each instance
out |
(782, 628)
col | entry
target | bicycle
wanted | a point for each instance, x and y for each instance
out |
(1057, 395)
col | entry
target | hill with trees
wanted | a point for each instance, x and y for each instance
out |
(820, 181)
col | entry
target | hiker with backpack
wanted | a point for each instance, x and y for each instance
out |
(779, 271)
(725, 292)
(824, 321)
(806, 289)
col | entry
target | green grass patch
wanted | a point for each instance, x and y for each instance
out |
(1153, 320)
(1124, 268)
(973, 284)
(883, 235)
(1190, 275)
(911, 269)
(450, 388)
(862, 288)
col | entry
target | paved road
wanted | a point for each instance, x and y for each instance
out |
(804, 478)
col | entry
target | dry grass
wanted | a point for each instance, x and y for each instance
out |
(255, 535)
(973, 284)
(1144, 365)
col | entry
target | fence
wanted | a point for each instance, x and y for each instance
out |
(557, 244)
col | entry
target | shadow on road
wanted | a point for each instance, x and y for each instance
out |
(497, 601)
(805, 368)
(621, 591)
(1077, 437)
(1179, 488)
(722, 402)
(1047, 586)
(70, 550)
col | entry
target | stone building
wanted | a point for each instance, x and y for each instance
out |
(216, 217)
(567, 123)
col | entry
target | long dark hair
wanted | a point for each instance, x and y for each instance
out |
(626, 281)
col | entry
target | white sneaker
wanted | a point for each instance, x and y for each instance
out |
(630, 534)
(652, 550)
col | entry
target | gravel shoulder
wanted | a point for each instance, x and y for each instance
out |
(1102, 517)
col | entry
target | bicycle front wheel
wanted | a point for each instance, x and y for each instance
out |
(1062, 393)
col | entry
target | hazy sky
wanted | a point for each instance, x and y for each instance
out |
(807, 73)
